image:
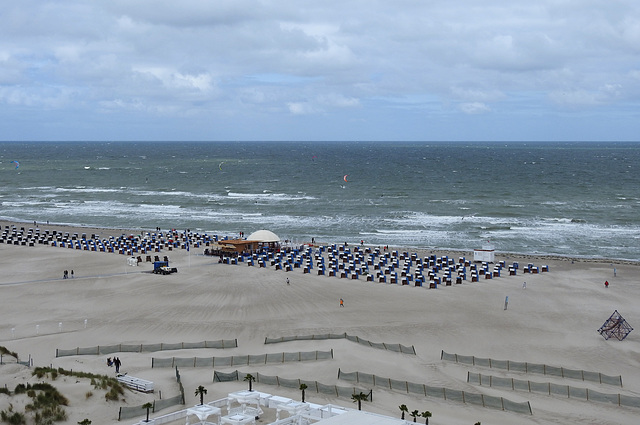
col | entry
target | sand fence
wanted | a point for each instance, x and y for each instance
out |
(536, 368)
(460, 396)
(331, 390)
(399, 348)
(553, 389)
(251, 359)
(128, 412)
(145, 348)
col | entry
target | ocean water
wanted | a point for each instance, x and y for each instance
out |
(570, 199)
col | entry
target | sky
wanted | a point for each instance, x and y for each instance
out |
(363, 70)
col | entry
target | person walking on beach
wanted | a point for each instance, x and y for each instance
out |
(71, 274)
(116, 363)
(524, 285)
(288, 281)
(606, 283)
(341, 302)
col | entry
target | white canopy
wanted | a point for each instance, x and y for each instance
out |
(263, 236)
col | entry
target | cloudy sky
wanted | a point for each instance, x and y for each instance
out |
(320, 70)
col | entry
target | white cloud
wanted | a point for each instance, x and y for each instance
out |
(362, 60)
(474, 108)
(301, 108)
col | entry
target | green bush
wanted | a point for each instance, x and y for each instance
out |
(4, 390)
(13, 418)
(50, 414)
(21, 388)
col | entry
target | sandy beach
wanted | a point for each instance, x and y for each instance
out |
(554, 321)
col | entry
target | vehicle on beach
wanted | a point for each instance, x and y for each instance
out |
(162, 267)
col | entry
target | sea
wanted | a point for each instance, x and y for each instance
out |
(579, 199)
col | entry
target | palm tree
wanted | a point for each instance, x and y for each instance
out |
(414, 415)
(250, 378)
(201, 391)
(303, 387)
(358, 398)
(147, 406)
(427, 415)
(403, 408)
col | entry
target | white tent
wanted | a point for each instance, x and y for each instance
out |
(263, 236)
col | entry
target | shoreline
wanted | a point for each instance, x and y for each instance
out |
(107, 231)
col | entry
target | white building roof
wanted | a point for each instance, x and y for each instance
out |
(359, 417)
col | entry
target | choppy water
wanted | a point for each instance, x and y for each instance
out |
(575, 199)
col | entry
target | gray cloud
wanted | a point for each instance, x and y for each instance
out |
(195, 65)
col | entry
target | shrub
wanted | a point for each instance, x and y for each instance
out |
(89, 394)
(21, 388)
(112, 394)
(13, 418)
(50, 414)
(4, 390)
